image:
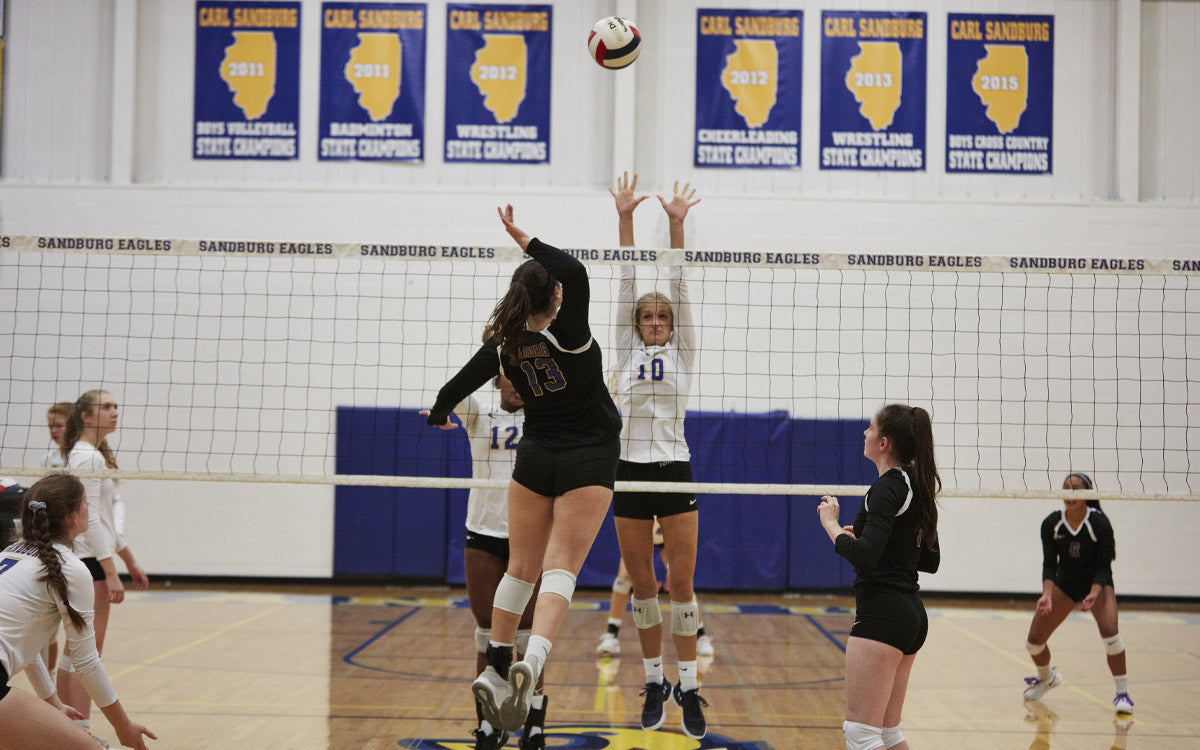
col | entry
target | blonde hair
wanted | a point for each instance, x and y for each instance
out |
(649, 298)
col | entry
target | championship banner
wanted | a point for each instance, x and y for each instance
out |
(748, 85)
(873, 90)
(1000, 93)
(372, 81)
(247, 90)
(498, 83)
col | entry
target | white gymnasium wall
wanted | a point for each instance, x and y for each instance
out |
(96, 142)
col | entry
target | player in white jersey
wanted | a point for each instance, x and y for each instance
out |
(43, 583)
(56, 421)
(656, 349)
(494, 431)
(93, 418)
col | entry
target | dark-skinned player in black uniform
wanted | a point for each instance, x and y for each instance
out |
(894, 535)
(562, 481)
(1077, 553)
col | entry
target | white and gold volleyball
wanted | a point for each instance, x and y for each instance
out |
(614, 42)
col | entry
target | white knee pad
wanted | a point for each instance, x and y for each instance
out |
(482, 636)
(1033, 648)
(559, 581)
(522, 641)
(892, 736)
(862, 736)
(646, 612)
(685, 617)
(65, 664)
(622, 586)
(512, 594)
(1114, 645)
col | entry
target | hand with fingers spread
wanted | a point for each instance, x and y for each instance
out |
(624, 194)
(682, 200)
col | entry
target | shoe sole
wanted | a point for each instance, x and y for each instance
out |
(485, 695)
(515, 707)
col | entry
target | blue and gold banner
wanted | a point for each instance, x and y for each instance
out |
(372, 81)
(748, 86)
(247, 92)
(1000, 93)
(498, 83)
(873, 90)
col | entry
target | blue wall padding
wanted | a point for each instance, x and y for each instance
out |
(384, 531)
(825, 451)
(750, 542)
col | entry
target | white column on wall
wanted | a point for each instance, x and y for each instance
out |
(124, 90)
(624, 109)
(1129, 99)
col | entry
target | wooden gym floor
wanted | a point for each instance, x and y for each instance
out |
(375, 667)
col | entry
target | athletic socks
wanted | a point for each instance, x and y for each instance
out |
(654, 670)
(688, 679)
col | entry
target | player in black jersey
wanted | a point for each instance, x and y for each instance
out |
(1077, 553)
(894, 535)
(562, 481)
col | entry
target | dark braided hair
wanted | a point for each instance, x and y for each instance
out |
(53, 497)
(911, 433)
(86, 403)
(530, 292)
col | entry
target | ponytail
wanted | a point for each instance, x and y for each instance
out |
(529, 293)
(910, 431)
(43, 522)
(87, 402)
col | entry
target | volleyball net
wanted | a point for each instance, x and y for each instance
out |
(241, 360)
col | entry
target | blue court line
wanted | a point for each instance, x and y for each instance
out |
(349, 658)
(828, 634)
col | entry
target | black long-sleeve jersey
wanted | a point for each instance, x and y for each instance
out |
(888, 551)
(1077, 558)
(559, 371)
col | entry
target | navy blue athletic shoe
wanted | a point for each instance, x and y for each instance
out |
(693, 713)
(653, 713)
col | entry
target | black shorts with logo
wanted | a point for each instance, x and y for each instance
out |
(892, 617)
(646, 505)
(493, 545)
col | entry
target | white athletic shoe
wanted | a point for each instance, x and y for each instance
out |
(490, 690)
(1123, 703)
(515, 707)
(1037, 688)
(704, 646)
(609, 644)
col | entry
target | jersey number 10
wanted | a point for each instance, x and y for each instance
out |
(656, 370)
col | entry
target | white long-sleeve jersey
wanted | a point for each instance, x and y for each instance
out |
(653, 382)
(494, 435)
(30, 615)
(100, 540)
(53, 459)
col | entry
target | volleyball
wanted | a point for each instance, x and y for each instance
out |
(614, 42)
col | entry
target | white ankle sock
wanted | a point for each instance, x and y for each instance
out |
(654, 670)
(687, 676)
